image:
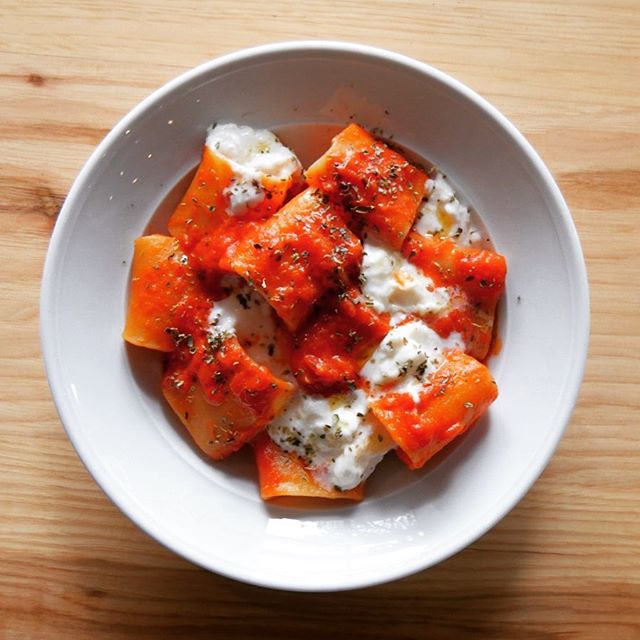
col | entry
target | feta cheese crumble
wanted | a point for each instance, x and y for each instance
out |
(334, 436)
(393, 285)
(254, 154)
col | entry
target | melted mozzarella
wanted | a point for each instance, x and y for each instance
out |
(409, 354)
(443, 214)
(334, 436)
(253, 155)
(247, 315)
(393, 285)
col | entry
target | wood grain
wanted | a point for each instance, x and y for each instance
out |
(565, 563)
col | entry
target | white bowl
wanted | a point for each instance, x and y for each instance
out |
(108, 395)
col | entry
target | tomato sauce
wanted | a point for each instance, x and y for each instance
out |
(295, 257)
(376, 185)
(330, 350)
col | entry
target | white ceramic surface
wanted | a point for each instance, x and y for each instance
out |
(108, 395)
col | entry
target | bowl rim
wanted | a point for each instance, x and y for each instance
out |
(564, 224)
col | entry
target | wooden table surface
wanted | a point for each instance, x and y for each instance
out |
(566, 562)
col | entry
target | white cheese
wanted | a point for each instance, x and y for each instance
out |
(393, 285)
(253, 154)
(247, 315)
(333, 435)
(443, 214)
(409, 354)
